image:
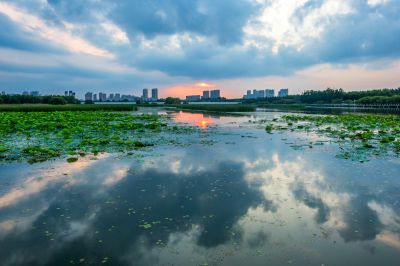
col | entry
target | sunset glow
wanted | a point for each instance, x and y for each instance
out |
(193, 119)
(203, 123)
(182, 90)
(203, 85)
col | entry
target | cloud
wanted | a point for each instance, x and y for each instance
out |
(313, 202)
(63, 37)
(203, 39)
(222, 20)
(179, 202)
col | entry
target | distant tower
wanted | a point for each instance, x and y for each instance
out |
(145, 95)
(89, 96)
(269, 93)
(154, 94)
(215, 94)
(206, 95)
(102, 97)
(283, 92)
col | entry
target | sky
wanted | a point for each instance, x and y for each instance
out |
(185, 46)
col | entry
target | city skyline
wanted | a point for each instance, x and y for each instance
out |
(177, 47)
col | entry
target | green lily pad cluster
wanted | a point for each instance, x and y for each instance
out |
(39, 136)
(359, 135)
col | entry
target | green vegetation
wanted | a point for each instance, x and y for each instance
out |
(269, 128)
(218, 107)
(339, 96)
(29, 99)
(379, 100)
(282, 106)
(89, 102)
(39, 136)
(359, 136)
(72, 159)
(57, 101)
(171, 100)
(67, 107)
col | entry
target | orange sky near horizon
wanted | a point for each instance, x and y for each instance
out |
(183, 90)
(355, 77)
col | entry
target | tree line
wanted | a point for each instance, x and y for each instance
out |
(29, 99)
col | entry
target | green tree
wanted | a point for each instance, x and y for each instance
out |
(57, 101)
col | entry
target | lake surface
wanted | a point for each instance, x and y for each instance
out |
(235, 196)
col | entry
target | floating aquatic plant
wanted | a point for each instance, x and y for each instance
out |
(39, 136)
(361, 136)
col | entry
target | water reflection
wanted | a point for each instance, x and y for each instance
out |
(254, 202)
(198, 119)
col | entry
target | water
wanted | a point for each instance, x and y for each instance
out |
(241, 197)
(214, 102)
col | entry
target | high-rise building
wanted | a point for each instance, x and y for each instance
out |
(95, 97)
(111, 97)
(88, 96)
(260, 94)
(154, 94)
(117, 97)
(206, 95)
(283, 92)
(102, 97)
(269, 93)
(35, 93)
(249, 95)
(66, 93)
(145, 95)
(193, 98)
(215, 94)
(3, 93)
